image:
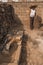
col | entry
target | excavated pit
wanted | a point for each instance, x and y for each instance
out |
(11, 32)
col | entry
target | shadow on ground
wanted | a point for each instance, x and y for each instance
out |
(23, 55)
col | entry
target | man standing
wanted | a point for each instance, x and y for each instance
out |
(32, 16)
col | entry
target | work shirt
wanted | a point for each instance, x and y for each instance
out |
(32, 13)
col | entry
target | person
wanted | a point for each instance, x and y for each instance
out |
(32, 16)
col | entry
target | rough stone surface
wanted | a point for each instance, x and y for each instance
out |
(30, 51)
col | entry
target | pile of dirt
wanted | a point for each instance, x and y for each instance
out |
(9, 23)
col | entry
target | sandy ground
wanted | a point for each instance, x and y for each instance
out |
(34, 48)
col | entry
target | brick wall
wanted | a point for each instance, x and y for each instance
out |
(23, 10)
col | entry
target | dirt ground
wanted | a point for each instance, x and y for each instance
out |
(35, 48)
(29, 53)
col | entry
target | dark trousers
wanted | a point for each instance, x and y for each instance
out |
(31, 22)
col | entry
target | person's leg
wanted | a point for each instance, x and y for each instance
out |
(31, 22)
